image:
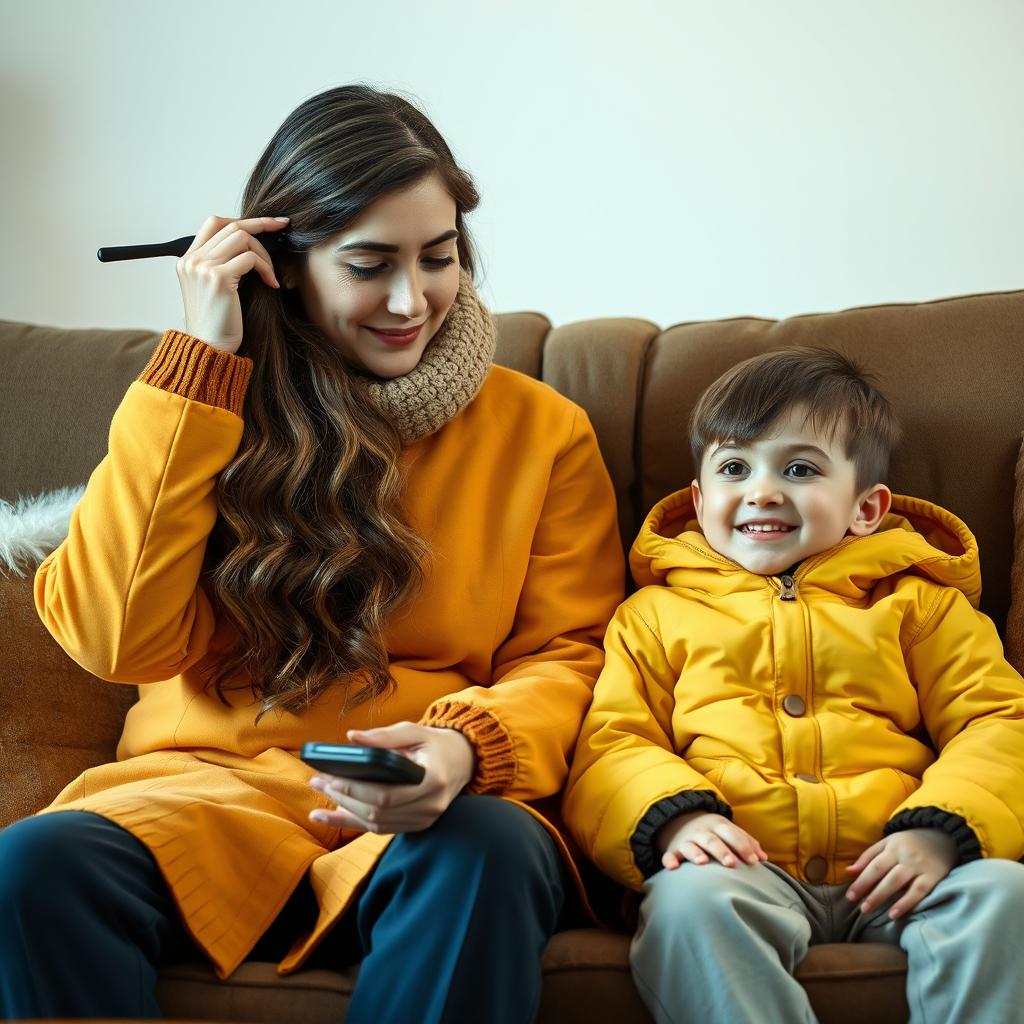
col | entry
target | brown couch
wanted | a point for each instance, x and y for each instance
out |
(953, 367)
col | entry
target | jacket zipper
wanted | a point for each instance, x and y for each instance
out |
(787, 585)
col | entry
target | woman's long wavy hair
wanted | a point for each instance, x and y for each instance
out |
(312, 552)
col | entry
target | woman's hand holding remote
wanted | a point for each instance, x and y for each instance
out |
(223, 252)
(449, 760)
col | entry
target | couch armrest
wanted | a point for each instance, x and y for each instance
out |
(56, 719)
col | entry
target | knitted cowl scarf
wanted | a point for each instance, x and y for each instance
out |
(449, 374)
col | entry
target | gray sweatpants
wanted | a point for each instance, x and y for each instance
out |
(701, 924)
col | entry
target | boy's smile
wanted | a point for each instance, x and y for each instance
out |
(774, 501)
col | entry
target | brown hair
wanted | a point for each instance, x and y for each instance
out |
(839, 398)
(312, 552)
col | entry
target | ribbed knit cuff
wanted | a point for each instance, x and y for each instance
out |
(495, 755)
(645, 853)
(189, 367)
(967, 844)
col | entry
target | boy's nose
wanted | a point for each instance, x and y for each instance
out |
(762, 493)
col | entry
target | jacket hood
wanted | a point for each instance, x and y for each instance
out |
(915, 537)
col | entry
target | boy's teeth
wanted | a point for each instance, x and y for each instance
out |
(759, 528)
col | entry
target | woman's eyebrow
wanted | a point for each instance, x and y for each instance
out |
(383, 247)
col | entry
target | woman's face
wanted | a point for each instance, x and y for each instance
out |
(381, 288)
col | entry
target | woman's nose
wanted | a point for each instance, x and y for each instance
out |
(407, 297)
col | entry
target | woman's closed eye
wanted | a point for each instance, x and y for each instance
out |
(361, 273)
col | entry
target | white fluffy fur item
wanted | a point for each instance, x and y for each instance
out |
(33, 527)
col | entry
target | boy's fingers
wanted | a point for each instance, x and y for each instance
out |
(916, 892)
(742, 843)
(892, 884)
(875, 870)
(718, 849)
(693, 853)
(867, 856)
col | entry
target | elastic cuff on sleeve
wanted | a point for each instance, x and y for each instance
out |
(645, 853)
(496, 767)
(968, 845)
(189, 367)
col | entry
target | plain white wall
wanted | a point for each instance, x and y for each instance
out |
(670, 160)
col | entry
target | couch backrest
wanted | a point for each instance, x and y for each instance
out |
(954, 369)
(58, 392)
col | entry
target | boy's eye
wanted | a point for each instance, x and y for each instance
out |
(801, 470)
(732, 469)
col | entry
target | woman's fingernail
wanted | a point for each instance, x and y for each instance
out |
(319, 816)
(282, 218)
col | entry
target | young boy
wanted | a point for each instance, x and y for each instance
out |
(805, 732)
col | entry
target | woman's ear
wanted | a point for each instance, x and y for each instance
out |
(288, 273)
(872, 507)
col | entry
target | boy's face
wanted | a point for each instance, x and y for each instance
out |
(779, 499)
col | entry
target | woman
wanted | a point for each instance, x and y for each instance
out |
(323, 515)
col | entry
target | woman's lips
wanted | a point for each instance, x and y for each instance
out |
(398, 338)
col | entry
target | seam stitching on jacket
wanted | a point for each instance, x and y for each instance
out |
(928, 616)
(149, 524)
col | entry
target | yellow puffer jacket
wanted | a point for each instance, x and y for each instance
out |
(869, 692)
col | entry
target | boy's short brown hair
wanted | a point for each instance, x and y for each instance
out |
(840, 398)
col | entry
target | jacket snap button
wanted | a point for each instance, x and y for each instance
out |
(816, 870)
(804, 777)
(794, 705)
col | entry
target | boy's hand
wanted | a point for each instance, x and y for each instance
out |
(701, 835)
(911, 862)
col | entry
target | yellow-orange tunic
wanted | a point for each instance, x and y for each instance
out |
(503, 642)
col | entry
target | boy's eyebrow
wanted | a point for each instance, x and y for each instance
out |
(792, 449)
(789, 449)
(384, 247)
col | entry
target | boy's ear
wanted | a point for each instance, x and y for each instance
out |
(873, 507)
(698, 502)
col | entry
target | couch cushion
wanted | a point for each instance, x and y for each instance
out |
(600, 365)
(520, 341)
(1015, 620)
(952, 368)
(58, 391)
(255, 992)
(56, 719)
(586, 980)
